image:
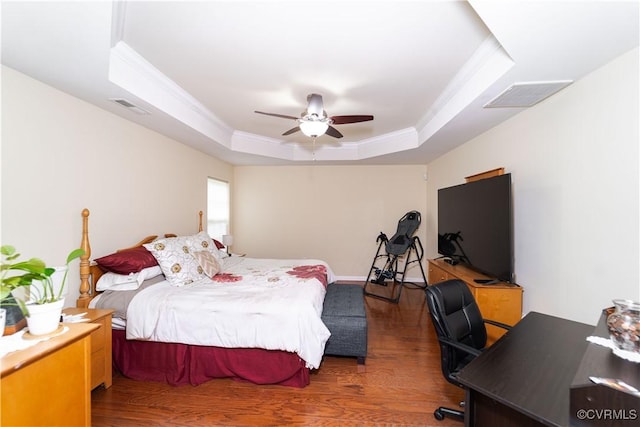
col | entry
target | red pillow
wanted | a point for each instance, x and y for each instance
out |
(218, 244)
(127, 261)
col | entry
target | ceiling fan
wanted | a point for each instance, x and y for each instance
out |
(314, 121)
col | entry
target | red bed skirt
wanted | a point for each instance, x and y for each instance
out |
(179, 364)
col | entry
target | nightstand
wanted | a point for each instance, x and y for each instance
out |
(100, 344)
(48, 383)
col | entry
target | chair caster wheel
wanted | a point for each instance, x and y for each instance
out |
(438, 415)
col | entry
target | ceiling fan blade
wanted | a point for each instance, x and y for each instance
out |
(331, 131)
(343, 120)
(282, 116)
(290, 131)
(315, 105)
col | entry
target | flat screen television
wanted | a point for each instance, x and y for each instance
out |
(475, 226)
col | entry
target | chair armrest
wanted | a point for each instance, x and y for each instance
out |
(458, 345)
(498, 324)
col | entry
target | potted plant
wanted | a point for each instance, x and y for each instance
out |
(39, 298)
(13, 275)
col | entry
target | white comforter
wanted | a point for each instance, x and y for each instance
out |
(254, 303)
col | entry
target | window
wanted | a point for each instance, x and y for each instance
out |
(217, 208)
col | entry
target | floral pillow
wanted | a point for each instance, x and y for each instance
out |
(175, 257)
(202, 241)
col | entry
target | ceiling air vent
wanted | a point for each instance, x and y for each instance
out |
(522, 95)
(129, 105)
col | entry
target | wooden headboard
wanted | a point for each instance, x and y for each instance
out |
(90, 272)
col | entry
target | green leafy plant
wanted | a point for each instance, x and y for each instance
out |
(16, 274)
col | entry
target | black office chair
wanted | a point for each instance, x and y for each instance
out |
(461, 331)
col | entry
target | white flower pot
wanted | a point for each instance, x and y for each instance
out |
(44, 318)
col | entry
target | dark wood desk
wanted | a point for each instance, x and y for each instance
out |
(525, 377)
(598, 405)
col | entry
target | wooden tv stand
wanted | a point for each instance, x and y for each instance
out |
(501, 301)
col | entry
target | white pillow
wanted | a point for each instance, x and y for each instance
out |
(126, 282)
(175, 257)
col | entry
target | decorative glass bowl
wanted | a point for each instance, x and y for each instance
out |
(624, 325)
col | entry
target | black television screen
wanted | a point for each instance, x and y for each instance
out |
(475, 226)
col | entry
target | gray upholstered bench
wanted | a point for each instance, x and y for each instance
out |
(345, 316)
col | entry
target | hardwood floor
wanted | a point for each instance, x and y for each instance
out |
(402, 386)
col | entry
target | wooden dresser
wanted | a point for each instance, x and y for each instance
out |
(501, 302)
(48, 384)
(101, 368)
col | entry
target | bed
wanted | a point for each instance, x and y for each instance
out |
(185, 322)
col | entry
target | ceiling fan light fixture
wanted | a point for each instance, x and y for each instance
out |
(314, 121)
(313, 128)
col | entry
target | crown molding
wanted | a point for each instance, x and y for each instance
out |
(393, 142)
(488, 63)
(136, 75)
(118, 14)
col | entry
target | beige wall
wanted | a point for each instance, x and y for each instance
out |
(574, 164)
(334, 213)
(61, 154)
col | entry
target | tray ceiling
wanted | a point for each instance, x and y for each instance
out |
(424, 69)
